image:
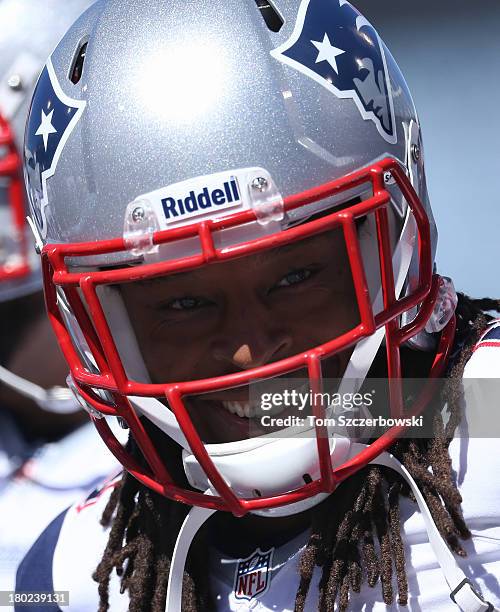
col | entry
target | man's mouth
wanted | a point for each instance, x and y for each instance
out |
(219, 421)
(238, 413)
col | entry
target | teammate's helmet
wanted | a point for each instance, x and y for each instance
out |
(205, 133)
(30, 31)
(24, 47)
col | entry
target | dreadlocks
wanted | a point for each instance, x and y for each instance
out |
(355, 533)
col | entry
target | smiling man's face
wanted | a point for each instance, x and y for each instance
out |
(242, 314)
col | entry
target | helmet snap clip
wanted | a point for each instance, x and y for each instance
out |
(139, 227)
(446, 304)
(265, 198)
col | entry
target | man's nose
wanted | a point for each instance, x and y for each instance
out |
(252, 339)
(249, 356)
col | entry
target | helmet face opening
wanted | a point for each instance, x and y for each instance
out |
(151, 374)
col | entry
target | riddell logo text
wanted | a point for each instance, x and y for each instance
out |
(197, 202)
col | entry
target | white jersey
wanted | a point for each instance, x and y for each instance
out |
(38, 483)
(485, 362)
(262, 576)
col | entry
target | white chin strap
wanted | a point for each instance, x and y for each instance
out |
(59, 400)
(462, 592)
(246, 474)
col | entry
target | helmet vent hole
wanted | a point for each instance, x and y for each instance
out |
(307, 478)
(257, 493)
(274, 21)
(77, 69)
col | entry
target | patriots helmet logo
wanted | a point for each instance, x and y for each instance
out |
(52, 118)
(338, 48)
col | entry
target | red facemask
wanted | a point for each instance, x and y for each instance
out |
(14, 263)
(106, 388)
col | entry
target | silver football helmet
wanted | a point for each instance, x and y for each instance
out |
(30, 31)
(170, 136)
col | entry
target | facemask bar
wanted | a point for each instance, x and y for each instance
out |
(112, 376)
(15, 265)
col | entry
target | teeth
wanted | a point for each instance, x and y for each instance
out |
(249, 410)
(242, 409)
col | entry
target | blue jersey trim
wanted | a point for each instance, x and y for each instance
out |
(35, 570)
(492, 334)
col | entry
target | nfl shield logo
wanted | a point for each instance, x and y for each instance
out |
(253, 575)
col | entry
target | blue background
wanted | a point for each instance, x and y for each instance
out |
(449, 52)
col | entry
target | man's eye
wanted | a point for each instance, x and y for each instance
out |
(187, 303)
(295, 277)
